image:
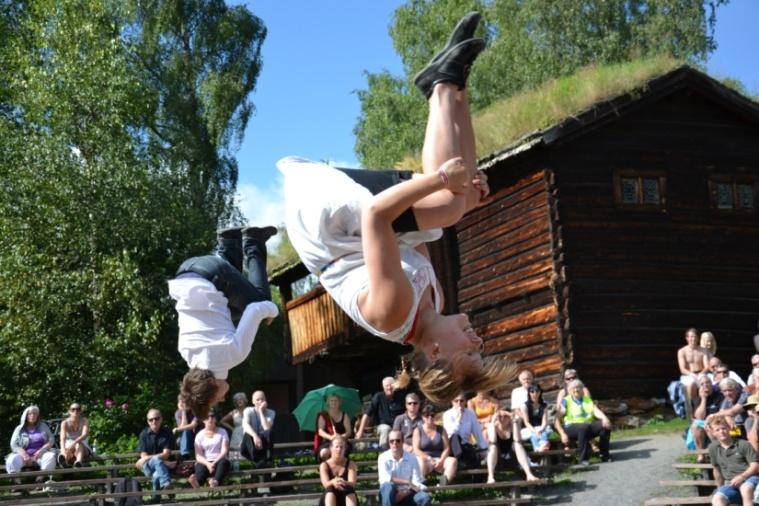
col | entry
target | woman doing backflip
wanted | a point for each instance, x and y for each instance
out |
(364, 233)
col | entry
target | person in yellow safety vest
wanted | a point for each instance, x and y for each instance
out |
(579, 418)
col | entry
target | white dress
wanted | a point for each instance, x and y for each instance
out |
(323, 219)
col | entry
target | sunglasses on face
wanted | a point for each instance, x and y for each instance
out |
(458, 400)
(412, 403)
(720, 372)
(154, 419)
(75, 409)
(428, 415)
(570, 378)
(391, 441)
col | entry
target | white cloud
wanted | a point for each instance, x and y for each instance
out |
(263, 206)
(344, 164)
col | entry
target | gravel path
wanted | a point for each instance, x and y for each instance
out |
(632, 477)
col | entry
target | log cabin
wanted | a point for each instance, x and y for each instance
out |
(609, 233)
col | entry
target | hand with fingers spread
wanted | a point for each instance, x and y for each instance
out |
(455, 175)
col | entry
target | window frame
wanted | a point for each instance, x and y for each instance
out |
(640, 175)
(734, 180)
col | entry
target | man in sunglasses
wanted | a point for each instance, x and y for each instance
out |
(399, 476)
(155, 445)
(408, 421)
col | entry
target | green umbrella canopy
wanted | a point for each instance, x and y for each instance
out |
(316, 400)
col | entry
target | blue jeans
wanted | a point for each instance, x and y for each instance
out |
(538, 441)
(156, 470)
(732, 494)
(186, 442)
(387, 497)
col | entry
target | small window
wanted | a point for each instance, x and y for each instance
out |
(643, 190)
(733, 193)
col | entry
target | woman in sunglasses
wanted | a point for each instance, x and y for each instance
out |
(74, 432)
(431, 447)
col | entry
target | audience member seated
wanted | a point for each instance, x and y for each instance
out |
(579, 418)
(186, 427)
(692, 360)
(408, 421)
(536, 427)
(751, 381)
(211, 455)
(485, 407)
(752, 427)
(719, 371)
(338, 475)
(232, 422)
(74, 431)
(31, 444)
(400, 480)
(501, 442)
(432, 449)
(732, 406)
(709, 402)
(735, 464)
(461, 425)
(383, 408)
(569, 376)
(329, 424)
(709, 343)
(257, 423)
(154, 446)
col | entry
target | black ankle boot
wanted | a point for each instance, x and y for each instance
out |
(452, 67)
(463, 30)
(260, 233)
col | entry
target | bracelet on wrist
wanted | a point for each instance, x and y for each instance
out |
(443, 176)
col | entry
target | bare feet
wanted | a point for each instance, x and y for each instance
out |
(532, 477)
(491, 479)
(193, 481)
(213, 483)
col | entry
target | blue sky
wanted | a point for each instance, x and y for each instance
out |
(314, 59)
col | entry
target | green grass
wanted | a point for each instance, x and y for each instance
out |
(656, 425)
(508, 120)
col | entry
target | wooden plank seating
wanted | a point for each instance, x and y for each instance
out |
(105, 470)
(512, 487)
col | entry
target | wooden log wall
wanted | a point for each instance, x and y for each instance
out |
(508, 264)
(637, 279)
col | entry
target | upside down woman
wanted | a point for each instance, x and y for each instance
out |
(364, 233)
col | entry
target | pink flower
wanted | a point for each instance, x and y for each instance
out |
(125, 406)
(108, 403)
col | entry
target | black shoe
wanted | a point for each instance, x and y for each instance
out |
(464, 30)
(261, 233)
(452, 67)
(229, 233)
(78, 463)
(61, 460)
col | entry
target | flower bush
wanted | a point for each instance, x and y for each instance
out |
(117, 421)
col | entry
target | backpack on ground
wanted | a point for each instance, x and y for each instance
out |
(128, 484)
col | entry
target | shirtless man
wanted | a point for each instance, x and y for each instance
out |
(692, 360)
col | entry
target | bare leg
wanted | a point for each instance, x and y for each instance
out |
(449, 468)
(523, 460)
(351, 500)
(330, 499)
(492, 461)
(423, 468)
(442, 141)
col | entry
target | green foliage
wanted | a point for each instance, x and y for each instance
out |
(530, 41)
(116, 421)
(118, 121)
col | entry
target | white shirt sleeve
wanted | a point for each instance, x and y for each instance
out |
(450, 424)
(383, 468)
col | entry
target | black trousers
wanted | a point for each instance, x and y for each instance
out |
(220, 471)
(465, 453)
(584, 432)
(250, 452)
(239, 290)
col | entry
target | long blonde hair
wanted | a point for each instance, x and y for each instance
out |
(444, 379)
